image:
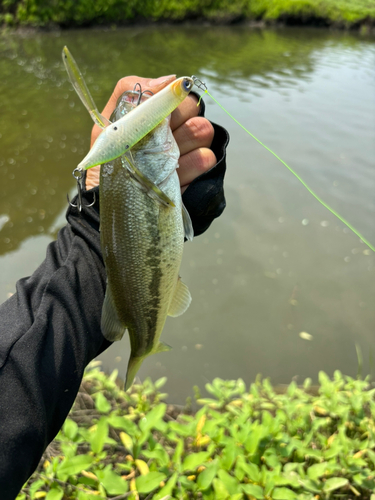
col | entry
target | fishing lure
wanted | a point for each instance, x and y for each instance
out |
(120, 136)
(202, 86)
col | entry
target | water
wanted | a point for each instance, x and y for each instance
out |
(276, 264)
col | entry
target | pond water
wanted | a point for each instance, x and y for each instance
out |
(279, 285)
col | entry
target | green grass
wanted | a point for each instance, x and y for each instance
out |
(66, 13)
(242, 444)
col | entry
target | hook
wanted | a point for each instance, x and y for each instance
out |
(78, 175)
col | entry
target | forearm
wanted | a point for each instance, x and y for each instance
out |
(49, 331)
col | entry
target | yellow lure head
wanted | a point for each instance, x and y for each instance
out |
(182, 86)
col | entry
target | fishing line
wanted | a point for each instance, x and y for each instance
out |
(203, 87)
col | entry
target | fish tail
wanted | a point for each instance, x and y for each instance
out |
(133, 367)
(136, 361)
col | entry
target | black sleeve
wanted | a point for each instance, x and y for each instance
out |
(50, 328)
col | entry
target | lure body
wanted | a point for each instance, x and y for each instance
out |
(120, 136)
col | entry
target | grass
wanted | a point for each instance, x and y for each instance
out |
(68, 13)
(242, 444)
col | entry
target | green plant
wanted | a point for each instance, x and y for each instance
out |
(241, 444)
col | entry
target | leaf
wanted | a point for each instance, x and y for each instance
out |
(99, 436)
(142, 467)
(206, 477)
(152, 417)
(113, 483)
(70, 428)
(253, 490)
(35, 487)
(55, 493)
(251, 470)
(167, 489)
(254, 439)
(221, 493)
(146, 484)
(176, 459)
(317, 470)
(193, 460)
(160, 382)
(74, 465)
(334, 483)
(126, 441)
(102, 404)
(123, 423)
(158, 454)
(228, 456)
(283, 494)
(231, 483)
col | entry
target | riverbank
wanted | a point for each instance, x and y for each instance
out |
(242, 444)
(342, 14)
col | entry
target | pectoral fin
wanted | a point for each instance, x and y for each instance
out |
(151, 189)
(181, 300)
(111, 326)
(188, 226)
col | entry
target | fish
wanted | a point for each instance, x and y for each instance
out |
(121, 135)
(143, 222)
(142, 244)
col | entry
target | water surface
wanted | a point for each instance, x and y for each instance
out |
(276, 264)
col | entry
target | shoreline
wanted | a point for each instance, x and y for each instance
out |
(364, 27)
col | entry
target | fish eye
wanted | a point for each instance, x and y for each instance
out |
(188, 85)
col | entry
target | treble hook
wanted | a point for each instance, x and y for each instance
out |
(78, 175)
(199, 83)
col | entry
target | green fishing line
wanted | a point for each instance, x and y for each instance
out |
(357, 233)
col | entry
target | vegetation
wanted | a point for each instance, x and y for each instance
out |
(341, 13)
(239, 445)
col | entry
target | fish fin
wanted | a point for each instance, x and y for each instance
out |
(151, 189)
(188, 225)
(162, 347)
(181, 300)
(111, 326)
(79, 84)
(136, 362)
(133, 367)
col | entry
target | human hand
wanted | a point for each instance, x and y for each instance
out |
(193, 133)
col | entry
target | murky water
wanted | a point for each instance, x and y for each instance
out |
(276, 264)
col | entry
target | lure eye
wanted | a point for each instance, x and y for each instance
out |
(188, 84)
(114, 128)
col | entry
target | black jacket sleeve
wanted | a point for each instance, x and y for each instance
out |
(50, 328)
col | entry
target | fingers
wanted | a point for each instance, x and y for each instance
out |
(194, 133)
(187, 109)
(127, 83)
(194, 138)
(194, 164)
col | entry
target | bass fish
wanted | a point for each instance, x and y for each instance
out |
(142, 242)
(143, 221)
